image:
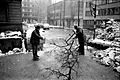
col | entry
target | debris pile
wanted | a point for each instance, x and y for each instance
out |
(108, 35)
(108, 57)
(111, 32)
(10, 52)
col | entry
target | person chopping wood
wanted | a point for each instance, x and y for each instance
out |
(81, 39)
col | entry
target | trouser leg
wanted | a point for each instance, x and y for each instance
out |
(34, 47)
(26, 47)
(81, 49)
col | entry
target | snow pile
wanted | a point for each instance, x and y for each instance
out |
(108, 57)
(14, 51)
(108, 35)
(110, 32)
(1, 53)
(10, 52)
(10, 34)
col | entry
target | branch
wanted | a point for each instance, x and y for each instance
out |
(57, 72)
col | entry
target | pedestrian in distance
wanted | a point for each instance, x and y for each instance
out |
(25, 41)
(35, 40)
(81, 39)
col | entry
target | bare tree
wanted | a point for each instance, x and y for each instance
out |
(69, 59)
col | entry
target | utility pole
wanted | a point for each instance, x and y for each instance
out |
(54, 13)
(64, 14)
(94, 21)
(60, 13)
(93, 13)
(78, 13)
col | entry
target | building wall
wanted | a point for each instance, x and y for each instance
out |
(28, 14)
(14, 12)
(106, 9)
(60, 14)
(11, 15)
(54, 13)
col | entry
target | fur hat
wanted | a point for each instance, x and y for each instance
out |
(37, 26)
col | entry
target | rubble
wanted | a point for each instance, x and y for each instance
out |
(1, 53)
(117, 58)
(118, 68)
(108, 36)
(108, 57)
(111, 32)
(11, 52)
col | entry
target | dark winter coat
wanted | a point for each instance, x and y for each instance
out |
(35, 37)
(80, 35)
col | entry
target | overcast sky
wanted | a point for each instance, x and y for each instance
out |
(54, 1)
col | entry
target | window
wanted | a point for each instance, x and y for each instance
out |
(98, 22)
(25, 14)
(117, 10)
(102, 12)
(98, 2)
(88, 22)
(22, 5)
(110, 1)
(104, 2)
(109, 11)
(115, 0)
(88, 13)
(30, 10)
(22, 15)
(23, 10)
(87, 4)
(28, 5)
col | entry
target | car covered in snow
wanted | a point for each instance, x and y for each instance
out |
(46, 26)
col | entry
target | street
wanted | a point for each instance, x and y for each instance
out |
(21, 66)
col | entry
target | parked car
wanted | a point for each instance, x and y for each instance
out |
(46, 26)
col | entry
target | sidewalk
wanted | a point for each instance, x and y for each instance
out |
(21, 67)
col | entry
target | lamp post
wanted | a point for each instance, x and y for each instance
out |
(54, 12)
(78, 13)
(60, 13)
(64, 14)
(94, 22)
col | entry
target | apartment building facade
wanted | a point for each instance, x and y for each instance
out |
(65, 13)
(28, 11)
(105, 10)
